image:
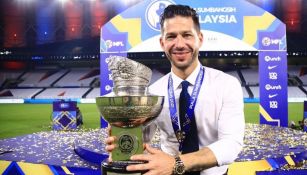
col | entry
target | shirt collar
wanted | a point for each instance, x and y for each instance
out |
(191, 78)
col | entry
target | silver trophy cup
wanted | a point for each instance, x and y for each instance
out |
(128, 110)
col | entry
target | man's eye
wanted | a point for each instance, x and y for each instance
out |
(187, 35)
(170, 37)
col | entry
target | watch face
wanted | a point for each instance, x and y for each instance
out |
(179, 169)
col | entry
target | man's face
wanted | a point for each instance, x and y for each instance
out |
(181, 42)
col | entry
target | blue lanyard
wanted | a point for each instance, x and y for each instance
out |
(180, 132)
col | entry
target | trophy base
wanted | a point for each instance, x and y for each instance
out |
(119, 168)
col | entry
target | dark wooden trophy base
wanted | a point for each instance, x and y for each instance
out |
(119, 168)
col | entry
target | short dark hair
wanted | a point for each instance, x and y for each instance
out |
(179, 10)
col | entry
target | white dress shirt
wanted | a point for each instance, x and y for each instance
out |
(219, 116)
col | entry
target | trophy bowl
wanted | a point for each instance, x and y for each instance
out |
(129, 111)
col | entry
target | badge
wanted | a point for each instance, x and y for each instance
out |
(180, 136)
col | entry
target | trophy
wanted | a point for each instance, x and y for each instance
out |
(128, 110)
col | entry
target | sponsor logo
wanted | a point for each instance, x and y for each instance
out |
(273, 75)
(153, 12)
(266, 41)
(272, 67)
(268, 58)
(272, 96)
(273, 104)
(270, 87)
(64, 105)
(110, 44)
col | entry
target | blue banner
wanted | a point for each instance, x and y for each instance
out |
(273, 86)
(305, 116)
(111, 44)
(226, 25)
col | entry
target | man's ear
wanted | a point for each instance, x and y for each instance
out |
(161, 43)
(201, 38)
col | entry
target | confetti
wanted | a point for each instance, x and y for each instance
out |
(57, 147)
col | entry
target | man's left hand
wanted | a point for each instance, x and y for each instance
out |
(158, 162)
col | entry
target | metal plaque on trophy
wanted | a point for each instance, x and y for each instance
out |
(128, 110)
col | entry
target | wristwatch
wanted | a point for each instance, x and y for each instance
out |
(179, 166)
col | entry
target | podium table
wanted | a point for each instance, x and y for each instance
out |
(66, 115)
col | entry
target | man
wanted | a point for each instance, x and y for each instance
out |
(214, 112)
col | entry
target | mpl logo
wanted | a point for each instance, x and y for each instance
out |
(266, 41)
(110, 44)
(106, 45)
(153, 12)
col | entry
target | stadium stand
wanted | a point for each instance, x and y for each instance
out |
(245, 93)
(78, 77)
(6, 76)
(19, 93)
(62, 93)
(235, 74)
(294, 70)
(41, 78)
(95, 92)
(295, 92)
(303, 79)
(251, 76)
(298, 74)
(85, 83)
(255, 91)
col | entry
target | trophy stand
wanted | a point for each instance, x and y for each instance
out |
(128, 110)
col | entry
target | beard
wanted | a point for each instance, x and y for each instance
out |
(187, 62)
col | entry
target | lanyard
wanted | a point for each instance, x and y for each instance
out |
(180, 132)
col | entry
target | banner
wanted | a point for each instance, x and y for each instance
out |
(64, 115)
(232, 25)
(111, 44)
(305, 116)
(273, 86)
(273, 82)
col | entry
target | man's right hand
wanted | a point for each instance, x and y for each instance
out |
(110, 143)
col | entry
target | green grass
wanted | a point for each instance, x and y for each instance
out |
(295, 112)
(20, 119)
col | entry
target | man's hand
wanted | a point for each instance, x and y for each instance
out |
(159, 162)
(110, 143)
